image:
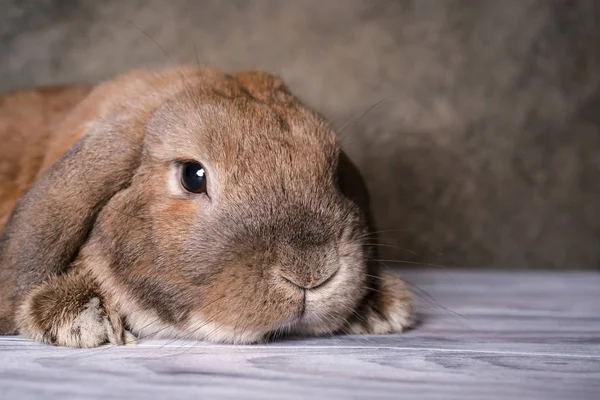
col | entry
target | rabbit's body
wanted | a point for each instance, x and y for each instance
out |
(108, 234)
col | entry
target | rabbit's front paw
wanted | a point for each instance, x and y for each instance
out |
(70, 311)
(90, 328)
(388, 309)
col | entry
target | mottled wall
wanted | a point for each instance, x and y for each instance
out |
(485, 150)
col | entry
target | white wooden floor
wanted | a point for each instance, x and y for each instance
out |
(484, 335)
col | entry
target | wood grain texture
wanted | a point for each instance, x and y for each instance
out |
(483, 335)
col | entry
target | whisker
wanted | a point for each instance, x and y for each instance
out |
(426, 264)
(395, 247)
(151, 38)
(375, 277)
(181, 74)
(149, 324)
(356, 120)
(196, 53)
(428, 297)
(372, 233)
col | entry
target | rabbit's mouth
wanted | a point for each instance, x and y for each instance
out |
(325, 307)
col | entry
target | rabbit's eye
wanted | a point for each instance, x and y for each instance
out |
(193, 177)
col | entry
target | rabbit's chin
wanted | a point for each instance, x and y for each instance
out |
(304, 321)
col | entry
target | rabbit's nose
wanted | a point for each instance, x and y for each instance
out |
(311, 280)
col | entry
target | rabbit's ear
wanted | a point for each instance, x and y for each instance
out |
(51, 221)
(352, 185)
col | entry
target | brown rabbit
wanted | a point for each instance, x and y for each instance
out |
(183, 203)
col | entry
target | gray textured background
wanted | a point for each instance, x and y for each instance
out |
(485, 150)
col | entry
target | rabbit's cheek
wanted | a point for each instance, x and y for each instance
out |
(240, 306)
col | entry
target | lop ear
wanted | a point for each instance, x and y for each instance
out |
(353, 186)
(52, 219)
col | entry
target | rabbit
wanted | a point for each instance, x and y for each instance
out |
(184, 202)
